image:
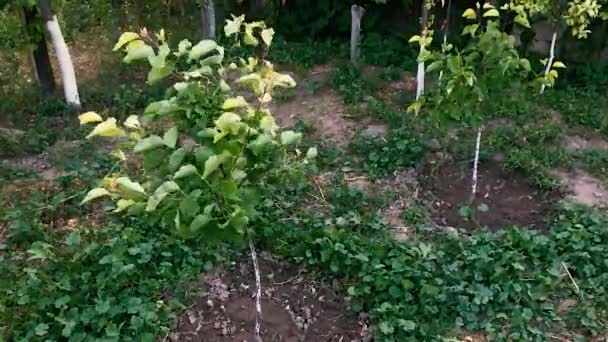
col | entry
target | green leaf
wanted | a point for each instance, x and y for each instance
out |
(470, 14)
(386, 328)
(415, 38)
(199, 222)
(204, 47)
(312, 153)
(149, 143)
(89, 117)
(41, 329)
(137, 50)
(130, 188)
(493, 13)
(124, 39)
(189, 205)
(159, 195)
(185, 171)
(202, 153)
(267, 36)
(170, 137)
(470, 29)
(107, 128)
(176, 159)
(94, 194)
(434, 66)
(407, 325)
(290, 138)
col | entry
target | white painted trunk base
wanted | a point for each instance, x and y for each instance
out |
(66, 67)
(476, 165)
(551, 58)
(420, 80)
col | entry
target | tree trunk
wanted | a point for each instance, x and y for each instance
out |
(420, 75)
(68, 76)
(208, 14)
(355, 33)
(42, 68)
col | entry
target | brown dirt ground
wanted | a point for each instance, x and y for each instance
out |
(511, 200)
(295, 308)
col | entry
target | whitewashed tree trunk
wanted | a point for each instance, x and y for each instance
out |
(258, 292)
(208, 14)
(476, 164)
(356, 12)
(550, 60)
(420, 74)
(64, 59)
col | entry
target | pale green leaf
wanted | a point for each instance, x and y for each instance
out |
(268, 125)
(132, 122)
(124, 39)
(185, 171)
(235, 102)
(130, 188)
(559, 64)
(213, 163)
(415, 38)
(107, 128)
(157, 74)
(203, 48)
(149, 143)
(94, 194)
(89, 117)
(522, 20)
(119, 154)
(267, 36)
(233, 26)
(170, 137)
(470, 14)
(227, 123)
(137, 50)
(493, 13)
(158, 61)
(290, 138)
(159, 195)
(123, 204)
(183, 46)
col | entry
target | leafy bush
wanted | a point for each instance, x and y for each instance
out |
(202, 176)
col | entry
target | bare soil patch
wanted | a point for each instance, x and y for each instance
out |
(584, 188)
(509, 197)
(325, 111)
(295, 308)
(578, 143)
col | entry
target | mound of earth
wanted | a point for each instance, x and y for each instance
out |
(503, 198)
(295, 307)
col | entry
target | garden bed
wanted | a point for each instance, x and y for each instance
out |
(503, 198)
(295, 307)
